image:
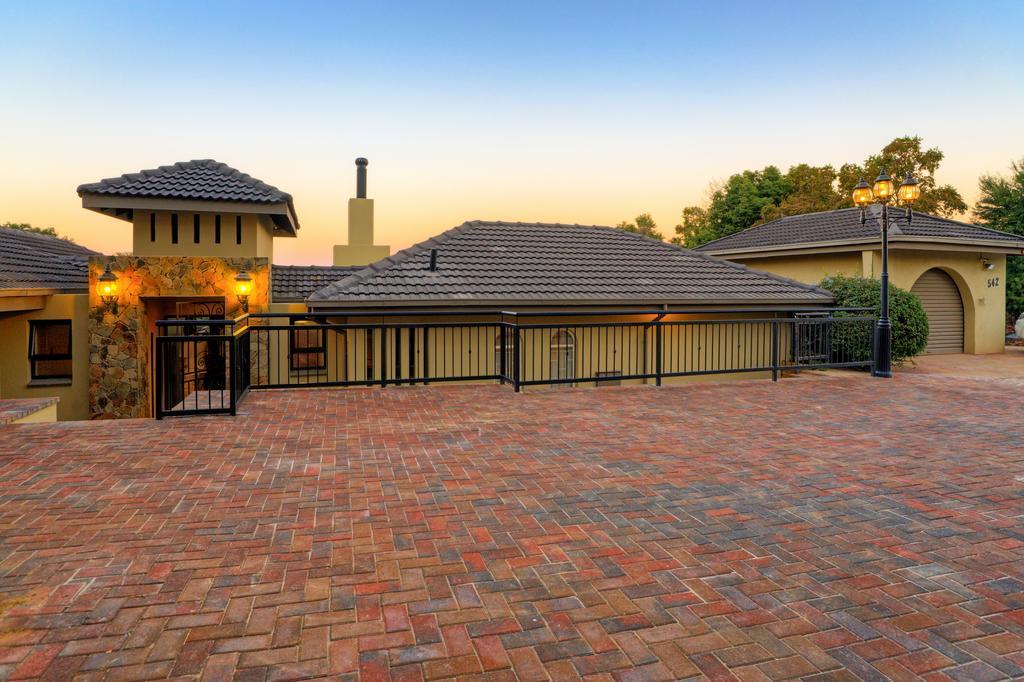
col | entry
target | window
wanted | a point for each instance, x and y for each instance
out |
(563, 355)
(195, 228)
(238, 229)
(49, 349)
(216, 229)
(307, 349)
(152, 227)
(174, 228)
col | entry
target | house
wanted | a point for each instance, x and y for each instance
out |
(957, 269)
(198, 313)
(44, 333)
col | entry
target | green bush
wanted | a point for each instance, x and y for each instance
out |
(909, 321)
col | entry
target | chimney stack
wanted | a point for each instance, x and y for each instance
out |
(361, 165)
(360, 249)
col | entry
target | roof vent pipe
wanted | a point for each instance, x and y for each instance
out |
(433, 260)
(361, 164)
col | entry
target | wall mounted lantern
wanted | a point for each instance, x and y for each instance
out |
(243, 287)
(987, 263)
(107, 289)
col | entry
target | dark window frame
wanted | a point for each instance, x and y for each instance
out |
(152, 227)
(174, 228)
(33, 357)
(238, 230)
(294, 349)
(195, 228)
(216, 229)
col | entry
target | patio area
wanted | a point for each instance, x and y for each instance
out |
(836, 528)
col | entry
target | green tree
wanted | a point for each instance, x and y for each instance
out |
(753, 197)
(736, 205)
(812, 189)
(25, 227)
(903, 155)
(1001, 207)
(643, 224)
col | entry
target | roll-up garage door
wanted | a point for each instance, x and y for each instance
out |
(945, 310)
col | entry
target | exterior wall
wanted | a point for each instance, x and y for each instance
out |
(354, 355)
(360, 249)
(257, 235)
(808, 269)
(15, 372)
(983, 291)
(120, 344)
(44, 416)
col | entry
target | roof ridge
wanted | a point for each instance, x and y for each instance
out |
(161, 171)
(50, 239)
(392, 260)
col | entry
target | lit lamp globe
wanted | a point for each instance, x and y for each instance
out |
(910, 190)
(884, 187)
(862, 194)
(243, 287)
(107, 288)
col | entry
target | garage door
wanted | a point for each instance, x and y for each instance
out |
(945, 309)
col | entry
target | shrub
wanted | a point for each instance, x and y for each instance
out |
(909, 321)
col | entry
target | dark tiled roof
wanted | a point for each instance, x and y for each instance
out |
(197, 180)
(496, 262)
(297, 282)
(36, 261)
(844, 225)
(203, 179)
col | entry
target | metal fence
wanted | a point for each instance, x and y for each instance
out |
(207, 366)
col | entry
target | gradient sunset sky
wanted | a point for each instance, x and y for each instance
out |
(581, 112)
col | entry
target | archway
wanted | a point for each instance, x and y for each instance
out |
(944, 306)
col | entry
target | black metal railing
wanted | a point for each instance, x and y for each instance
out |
(207, 366)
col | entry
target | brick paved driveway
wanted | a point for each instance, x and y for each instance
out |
(751, 530)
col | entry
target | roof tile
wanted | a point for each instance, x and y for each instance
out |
(845, 225)
(499, 262)
(37, 261)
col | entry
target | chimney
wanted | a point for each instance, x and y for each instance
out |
(361, 165)
(360, 249)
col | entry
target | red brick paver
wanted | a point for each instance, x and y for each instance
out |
(733, 531)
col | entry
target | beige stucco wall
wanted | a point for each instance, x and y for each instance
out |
(983, 291)
(451, 350)
(44, 416)
(257, 235)
(361, 249)
(15, 372)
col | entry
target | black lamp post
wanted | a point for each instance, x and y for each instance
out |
(881, 193)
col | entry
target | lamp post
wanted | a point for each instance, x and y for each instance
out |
(881, 193)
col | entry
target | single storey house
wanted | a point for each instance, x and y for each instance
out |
(198, 311)
(957, 269)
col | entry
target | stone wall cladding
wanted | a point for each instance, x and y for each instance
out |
(119, 372)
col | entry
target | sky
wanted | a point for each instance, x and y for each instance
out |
(581, 112)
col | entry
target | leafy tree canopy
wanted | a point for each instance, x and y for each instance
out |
(754, 197)
(1001, 206)
(643, 224)
(25, 227)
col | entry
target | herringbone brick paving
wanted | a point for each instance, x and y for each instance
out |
(734, 531)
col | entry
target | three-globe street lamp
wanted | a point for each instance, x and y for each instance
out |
(881, 193)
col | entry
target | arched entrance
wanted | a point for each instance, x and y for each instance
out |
(945, 309)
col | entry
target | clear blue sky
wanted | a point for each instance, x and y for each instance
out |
(581, 112)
